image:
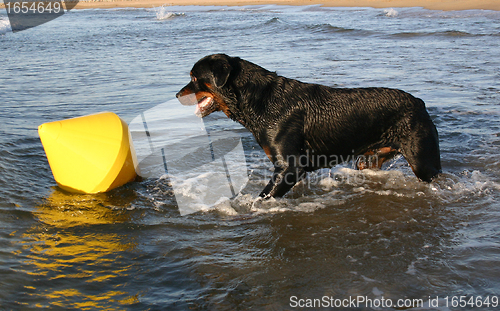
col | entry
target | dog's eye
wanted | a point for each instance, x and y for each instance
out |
(193, 79)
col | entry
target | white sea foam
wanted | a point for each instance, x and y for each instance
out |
(4, 26)
(393, 183)
(452, 188)
(223, 207)
(163, 13)
(327, 188)
(390, 12)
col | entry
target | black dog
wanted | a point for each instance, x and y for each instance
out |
(303, 127)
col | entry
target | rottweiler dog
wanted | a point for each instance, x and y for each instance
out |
(304, 127)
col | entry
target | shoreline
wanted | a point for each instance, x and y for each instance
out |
(444, 5)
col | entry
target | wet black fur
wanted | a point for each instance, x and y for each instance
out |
(306, 126)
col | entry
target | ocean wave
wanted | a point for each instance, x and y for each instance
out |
(446, 33)
(163, 13)
(323, 28)
(328, 28)
(390, 12)
(4, 26)
(274, 20)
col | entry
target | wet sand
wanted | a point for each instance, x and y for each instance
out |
(447, 5)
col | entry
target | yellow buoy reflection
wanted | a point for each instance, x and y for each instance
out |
(65, 210)
(66, 248)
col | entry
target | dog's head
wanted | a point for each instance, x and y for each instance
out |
(208, 78)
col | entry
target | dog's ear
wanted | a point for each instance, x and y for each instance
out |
(221, 70)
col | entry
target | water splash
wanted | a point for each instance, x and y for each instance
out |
(4, 26)
(163, 13)
(337, 186)
(343, 184)
(391, 12)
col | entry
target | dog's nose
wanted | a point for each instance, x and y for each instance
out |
(180, 93)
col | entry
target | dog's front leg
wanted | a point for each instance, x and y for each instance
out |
(284, 178)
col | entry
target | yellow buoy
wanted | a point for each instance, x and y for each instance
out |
(89, 154)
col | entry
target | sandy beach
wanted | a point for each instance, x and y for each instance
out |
(447, 5)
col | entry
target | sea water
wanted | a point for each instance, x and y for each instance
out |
(340, 235)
